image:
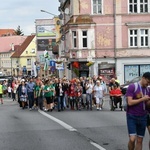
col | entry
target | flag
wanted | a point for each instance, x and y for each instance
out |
(46, 55)
(45, 66)
(33, 69)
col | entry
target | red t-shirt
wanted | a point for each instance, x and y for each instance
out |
(115, 92)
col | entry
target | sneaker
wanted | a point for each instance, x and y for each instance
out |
(30, 109)
(100, 108)
(97, 109)
(45, 109)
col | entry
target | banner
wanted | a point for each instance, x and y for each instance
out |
(60, 66)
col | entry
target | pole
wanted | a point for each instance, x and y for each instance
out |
(11, 66)
(115, 56)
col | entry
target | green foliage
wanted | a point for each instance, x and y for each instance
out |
(76, 71)
(18, 31)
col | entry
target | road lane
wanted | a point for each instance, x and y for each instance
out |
(24, 129)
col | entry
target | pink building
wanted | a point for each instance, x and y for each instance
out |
(114, 34)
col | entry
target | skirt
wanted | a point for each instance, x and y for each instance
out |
(23, 98)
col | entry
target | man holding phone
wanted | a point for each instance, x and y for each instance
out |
(136, 111)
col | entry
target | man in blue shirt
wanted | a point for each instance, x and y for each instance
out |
(30, 91)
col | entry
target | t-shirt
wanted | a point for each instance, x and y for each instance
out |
(115, 92)
(1, 89)
(138, 109)
(49, 89)
(98, 91)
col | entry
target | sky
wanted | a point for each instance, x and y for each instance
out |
(23, 13)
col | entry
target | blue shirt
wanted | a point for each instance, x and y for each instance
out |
(30, 87)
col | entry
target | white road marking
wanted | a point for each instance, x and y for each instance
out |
(68, 127)
(97, 146)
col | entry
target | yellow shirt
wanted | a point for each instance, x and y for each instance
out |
(1, 89)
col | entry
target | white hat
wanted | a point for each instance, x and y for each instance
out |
(22, 80)
(98, 81)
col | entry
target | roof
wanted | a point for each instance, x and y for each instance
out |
(22, 47)
(7, 42)
(7, 32)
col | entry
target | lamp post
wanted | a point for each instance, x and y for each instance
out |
(49, 13)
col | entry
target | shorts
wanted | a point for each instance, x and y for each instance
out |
(49, 100)
(148, 119)
(136, 125)
(98, 100)
(1, 95)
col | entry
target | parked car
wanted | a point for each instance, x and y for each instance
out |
(125, 86)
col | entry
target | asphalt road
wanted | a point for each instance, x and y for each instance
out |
(67, 130)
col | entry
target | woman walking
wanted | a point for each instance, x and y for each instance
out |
(98, 92)
(22, 93)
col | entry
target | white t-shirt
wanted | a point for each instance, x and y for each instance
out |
(98, 91)
(90, 88)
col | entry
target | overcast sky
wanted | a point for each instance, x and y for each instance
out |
(24, 13)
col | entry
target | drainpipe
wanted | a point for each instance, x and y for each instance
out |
(114, 13)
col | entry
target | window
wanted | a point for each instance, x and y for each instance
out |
(28, 61)
(97, 6)
(133, 38)
(133, 71)
(84, 39)
(139, 6)
(74, 39)
(144, 37)
(139, 37)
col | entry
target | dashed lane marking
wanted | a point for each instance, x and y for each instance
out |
(70, 128)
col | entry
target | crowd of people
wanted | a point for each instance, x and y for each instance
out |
(55, 93)
(84, 93)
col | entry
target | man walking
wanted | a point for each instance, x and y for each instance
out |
(136, 113)
(30, 91)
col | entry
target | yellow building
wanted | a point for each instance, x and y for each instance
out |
(24, 57)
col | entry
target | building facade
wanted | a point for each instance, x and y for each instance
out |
(8, 44)
(114, 34)
(47, 36)
(23, 59)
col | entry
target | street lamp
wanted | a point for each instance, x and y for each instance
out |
(49, 13)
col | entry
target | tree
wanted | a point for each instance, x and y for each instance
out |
(18, 31)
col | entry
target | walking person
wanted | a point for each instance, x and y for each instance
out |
(1, 92)
(38, 95)
(9, 91)
(49, 92)
(71, 94)
(78, 100)
(99, 93)
(148, 126)
(22, 93)
(136, 113)
(89, 93)
(30, 91)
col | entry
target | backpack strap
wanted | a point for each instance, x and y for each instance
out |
(136, 86)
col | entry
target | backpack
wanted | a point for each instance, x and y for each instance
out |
(125, 103)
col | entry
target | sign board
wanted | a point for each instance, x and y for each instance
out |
(60, 66)
(89, 58)
(43, 30)
(52, 63)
